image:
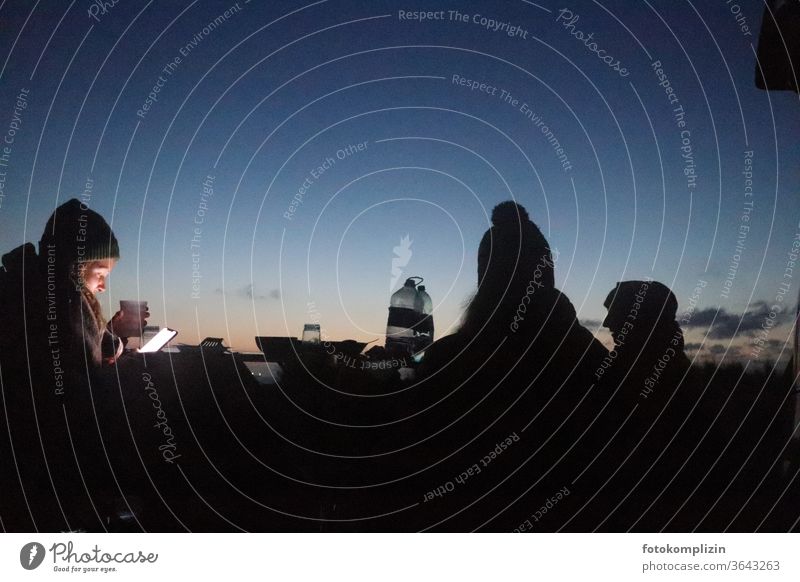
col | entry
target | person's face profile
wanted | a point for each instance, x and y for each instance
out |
(95, 274)
(614, 319)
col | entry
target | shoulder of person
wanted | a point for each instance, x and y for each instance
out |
(21, 262)
(22, 254)
(553, 305)
(446, 346)
(442, 351)
(19, 276)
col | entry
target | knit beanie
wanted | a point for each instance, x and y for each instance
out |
(75, 233)
(514, 246)
(656, 302)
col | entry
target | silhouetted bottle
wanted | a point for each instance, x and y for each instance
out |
(403, 317)
(424, 329)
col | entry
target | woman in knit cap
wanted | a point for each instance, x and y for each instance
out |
(516, 372)
(49, 308)
(77, 253)
(516, 301)
(54, 344)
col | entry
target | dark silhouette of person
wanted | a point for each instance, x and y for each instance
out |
(51, 297)
(511, 379)
(516, 300)
(648, 453)
(648, 342)
(55, 341)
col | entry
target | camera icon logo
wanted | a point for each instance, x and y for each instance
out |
(31, 555)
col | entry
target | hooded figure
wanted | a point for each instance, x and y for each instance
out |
(49, 303)
(77, 251)
(648, 340)
(55, 339)
(643, 448)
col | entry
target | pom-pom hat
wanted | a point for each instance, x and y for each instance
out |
(514, 246)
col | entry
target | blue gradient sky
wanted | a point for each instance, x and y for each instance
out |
(274, 90)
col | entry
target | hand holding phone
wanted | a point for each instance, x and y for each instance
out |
(130, 320)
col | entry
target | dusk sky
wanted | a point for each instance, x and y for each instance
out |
(257, 157)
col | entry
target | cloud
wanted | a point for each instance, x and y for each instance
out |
(713, 348)
(591, 323)
(725, 325)
(249, 292)
(771, 350)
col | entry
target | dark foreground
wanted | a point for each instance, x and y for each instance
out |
(191, 442)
